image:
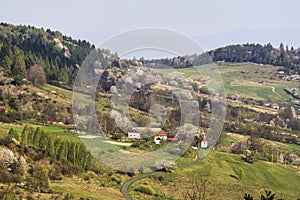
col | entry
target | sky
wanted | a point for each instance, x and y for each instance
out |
(210, 23)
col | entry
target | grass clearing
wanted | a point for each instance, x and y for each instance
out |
(66, 93)
(86, 189)
(220, 170)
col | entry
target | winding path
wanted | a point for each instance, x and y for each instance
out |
(128, 183)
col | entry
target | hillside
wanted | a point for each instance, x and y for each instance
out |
(21, 47)
(37, 71)
(220, 171)
(285, 57)
(260, 83)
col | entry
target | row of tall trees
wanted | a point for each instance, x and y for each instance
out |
(68, 152)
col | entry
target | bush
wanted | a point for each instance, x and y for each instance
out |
(145, 189)
(116, 179)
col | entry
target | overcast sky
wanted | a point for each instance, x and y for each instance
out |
(211, 23)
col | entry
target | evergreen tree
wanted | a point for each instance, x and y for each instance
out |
(36, 137)
(24, 137)
(13, 134)
(18, 67)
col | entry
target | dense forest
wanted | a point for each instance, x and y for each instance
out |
(22, 47)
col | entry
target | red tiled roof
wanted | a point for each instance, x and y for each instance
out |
(161, 133)
(172, 139)
(52, 119)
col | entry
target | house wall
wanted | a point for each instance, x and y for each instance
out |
(204, 144)
(134, 135)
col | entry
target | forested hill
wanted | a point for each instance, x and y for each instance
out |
(59, 56)
(22, 47)
(289, 58)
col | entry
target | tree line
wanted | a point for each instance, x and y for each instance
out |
(288, 58)
(69, 152)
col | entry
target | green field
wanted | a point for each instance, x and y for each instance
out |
(220, 169)
(244, 79)
(61, 130)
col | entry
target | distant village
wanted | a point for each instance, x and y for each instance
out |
(160, 135)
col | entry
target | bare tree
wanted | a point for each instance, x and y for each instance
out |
(165, 165)
(36, 75)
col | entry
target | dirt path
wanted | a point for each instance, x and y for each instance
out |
(118, 143)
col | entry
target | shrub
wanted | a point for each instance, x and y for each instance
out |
(145, 189)
(116, 179)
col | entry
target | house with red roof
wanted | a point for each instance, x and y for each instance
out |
(160, 135)
(52, 119)
(275, 106)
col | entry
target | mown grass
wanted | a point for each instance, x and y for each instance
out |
(46, 127)
(61, 131)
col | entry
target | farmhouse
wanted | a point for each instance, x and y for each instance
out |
(134, 134)
(160, 135)
(137, 132)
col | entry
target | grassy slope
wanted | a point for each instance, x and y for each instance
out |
(242, 79)
(86, 189)
(220, 169)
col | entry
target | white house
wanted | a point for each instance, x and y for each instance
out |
(160, 135)
(204, 143)
(137, 132)
(134, 134)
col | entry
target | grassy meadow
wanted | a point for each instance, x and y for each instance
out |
(245, 79)
(220, 170)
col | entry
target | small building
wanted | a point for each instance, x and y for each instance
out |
(275, 106)
(134, 134)
(138, 132)
(204, 143)
(52, 119)
(160, 135)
